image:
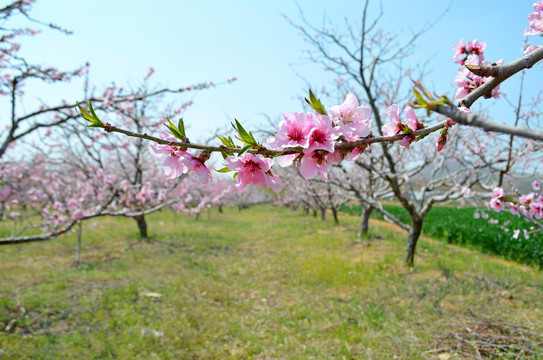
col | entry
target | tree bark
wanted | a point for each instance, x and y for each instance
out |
(334, 214)
(323, 214)
(142, 225)
(3, 211)
(78, 251)
(412, 238)
(364, 220)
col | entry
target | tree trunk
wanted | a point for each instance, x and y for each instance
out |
(323, 214)
(220, 208)
(3, 211)
(78, 251)
(364, 220)
(334, 214)
(314, 213)
(142, 225)
(412, 238)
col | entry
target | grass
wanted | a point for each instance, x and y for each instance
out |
(458, 226)
(265, 283)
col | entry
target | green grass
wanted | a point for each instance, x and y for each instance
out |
(265, 283)
(459, 226)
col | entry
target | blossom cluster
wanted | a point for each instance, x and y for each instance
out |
(310, 138)
(316, 136)
(471, 53)
(179, 161)
(535, 20)
(395, 125)
(528, 205)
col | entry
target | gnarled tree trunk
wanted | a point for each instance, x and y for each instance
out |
(334, 213)
(142, 225)
(323, 214)
(412, 238)
(3, 211)
(364, 220)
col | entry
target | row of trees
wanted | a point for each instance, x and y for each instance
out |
(55, 172)
(349, 147)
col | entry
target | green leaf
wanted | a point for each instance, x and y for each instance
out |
(93, 113)
(244, 149)
(174, 130)
(420, 99)
(90, 117)
(181, 127)
(406, 129)
(175, 133)
(245, 137)
(442, 101)
(226, 142)
(84, 113)
(315, 103)
(235, 175)
(223, 170)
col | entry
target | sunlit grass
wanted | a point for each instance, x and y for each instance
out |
(262, 283)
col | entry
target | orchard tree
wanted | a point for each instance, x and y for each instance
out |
(365, 187)
(80, 157)
(142, 184)
(138, 187)
(16, 71)
(43, 199)
(316, 194)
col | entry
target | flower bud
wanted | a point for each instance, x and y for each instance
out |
(441, 141)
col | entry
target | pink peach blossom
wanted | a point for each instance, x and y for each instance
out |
(293, 131)
(497, 193)
(322, 135)
(314, 163)
(353, 120)
(196, 166)
(535, 20)
(253, 169)
(395, 125)
(173, 168)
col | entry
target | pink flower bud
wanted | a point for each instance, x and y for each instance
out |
(441, 141)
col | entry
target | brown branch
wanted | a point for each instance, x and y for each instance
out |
(472, 119)
(346, 145)
(499, 74)
(56, 232)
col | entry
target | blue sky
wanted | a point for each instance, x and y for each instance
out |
(189, 42)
